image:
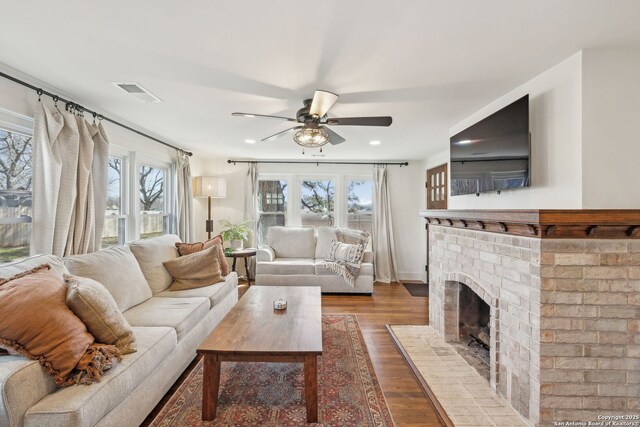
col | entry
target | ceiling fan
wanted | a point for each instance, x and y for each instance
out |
(312, 130)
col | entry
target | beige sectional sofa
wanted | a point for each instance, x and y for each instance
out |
(168, 327)
(294, 256)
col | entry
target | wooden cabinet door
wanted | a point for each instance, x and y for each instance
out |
(437, 187)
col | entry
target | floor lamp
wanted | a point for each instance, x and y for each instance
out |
(211, 187)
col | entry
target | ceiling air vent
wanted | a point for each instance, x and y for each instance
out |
(137, 91)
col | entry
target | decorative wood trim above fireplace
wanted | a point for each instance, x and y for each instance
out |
(544, 224)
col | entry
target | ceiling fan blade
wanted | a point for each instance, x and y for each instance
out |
(263, 115)
(322, 102)
(360, 121)
(334, 138)
(281, 133)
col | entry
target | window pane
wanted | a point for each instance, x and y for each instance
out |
(15, 195)
(113, 232)
(153, 225)
(152, 182)
(272, 206)
(360, 205)
(114, 188)
(317, 199)
(153, 221)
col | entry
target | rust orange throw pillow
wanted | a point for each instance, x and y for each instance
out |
(37, 323)
(191, 248)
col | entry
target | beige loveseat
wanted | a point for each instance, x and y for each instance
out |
(168, 327)
(294, 256)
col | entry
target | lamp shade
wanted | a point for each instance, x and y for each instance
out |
(210, 186)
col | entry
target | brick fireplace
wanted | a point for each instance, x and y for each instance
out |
(564, 305)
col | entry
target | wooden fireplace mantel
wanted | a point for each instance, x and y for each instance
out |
(544, 223)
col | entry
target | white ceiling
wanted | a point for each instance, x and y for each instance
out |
(429, 64)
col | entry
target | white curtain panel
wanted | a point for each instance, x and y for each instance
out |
(250, 200)
(185, 199)
(70, 166)
(383, 247)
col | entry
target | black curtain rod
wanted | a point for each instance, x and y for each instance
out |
(296, 162)
(82, 109)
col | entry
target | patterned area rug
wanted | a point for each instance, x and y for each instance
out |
(272, 394)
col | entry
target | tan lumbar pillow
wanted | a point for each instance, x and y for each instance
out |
(95, 306)
(37, 323)
(195, 270)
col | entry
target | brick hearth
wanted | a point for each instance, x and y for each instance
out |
(565, 318)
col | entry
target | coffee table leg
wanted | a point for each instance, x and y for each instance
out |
(311, 387)
(210, 386)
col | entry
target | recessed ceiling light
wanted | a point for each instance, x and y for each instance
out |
(250, 141)
(464, 142)
(376, 142)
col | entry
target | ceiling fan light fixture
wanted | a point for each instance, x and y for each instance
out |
(311, 137)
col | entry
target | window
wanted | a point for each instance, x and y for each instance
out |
(317, 203)
(360, 205)
(154, 217)
(115, 224)
(272, 205)
(15, 195)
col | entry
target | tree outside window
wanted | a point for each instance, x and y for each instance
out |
(113, 232)
(360, 205)
(152, 184)
(317, 201)
(15, 195)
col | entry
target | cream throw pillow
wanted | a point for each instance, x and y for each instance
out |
(195, 270)
(117, 270)
(94, 305)
(345, 252)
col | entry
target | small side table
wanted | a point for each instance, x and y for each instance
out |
(245, 253)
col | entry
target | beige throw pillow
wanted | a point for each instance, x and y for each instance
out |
(94, 305)
(191, 248)
(196, 270)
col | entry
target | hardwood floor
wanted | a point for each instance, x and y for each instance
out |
(390, 304)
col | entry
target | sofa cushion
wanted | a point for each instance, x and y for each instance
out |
(151, 253)
(286, 266)
(87, 405)
(323, 243)
(11, 269)
(97, 309)
(215, 292)
(292, 242)
(181, 314)
(366, 269)
(118, 270)
(195, 270)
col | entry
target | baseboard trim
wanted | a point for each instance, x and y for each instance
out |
(440, 412)
(404, 275)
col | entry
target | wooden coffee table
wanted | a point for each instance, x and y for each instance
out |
(254, 332)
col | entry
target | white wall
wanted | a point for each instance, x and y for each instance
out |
(555, 115)
(611, 113)
(407, 197)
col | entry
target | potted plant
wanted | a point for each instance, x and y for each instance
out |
(235, 234)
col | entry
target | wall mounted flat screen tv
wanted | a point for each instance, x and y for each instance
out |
(493, 154)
